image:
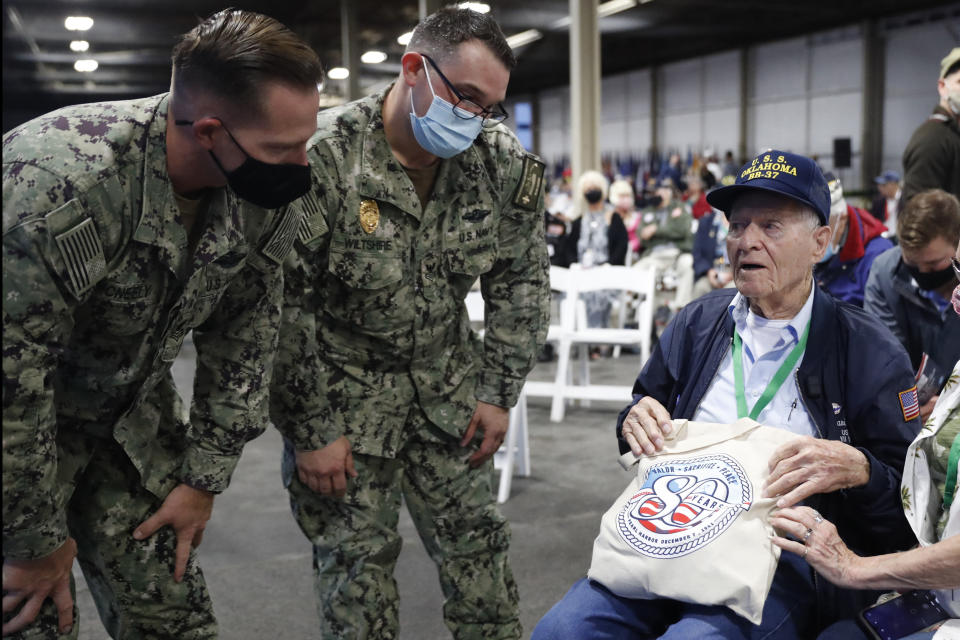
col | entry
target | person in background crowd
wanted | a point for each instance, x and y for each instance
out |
(711, 267)
(560, 200)
(381, 391)
(696, 198)
(666, 237)
(673, 169)
(886, 205)
(624, 204)
(810, 353)
(856, 239)
(729, 166)
(712, 167)
(597, 237)
(909, 286)
(931, 159)
(127, 225)
(932, 508)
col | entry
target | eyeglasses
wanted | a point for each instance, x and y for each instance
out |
(491, 117)
(956, 267)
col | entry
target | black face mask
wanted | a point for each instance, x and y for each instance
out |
(262, 183)
(593, 196)
(931, 280)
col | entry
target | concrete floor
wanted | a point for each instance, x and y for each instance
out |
(258, 564)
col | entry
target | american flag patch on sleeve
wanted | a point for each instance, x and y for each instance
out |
(910, 404)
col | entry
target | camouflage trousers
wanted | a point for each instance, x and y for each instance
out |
(356, 544)
(131, 581)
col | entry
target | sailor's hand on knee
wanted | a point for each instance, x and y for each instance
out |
(187, 510)
(327, 470)
(645, 426)
(27, 583)
(493, 421)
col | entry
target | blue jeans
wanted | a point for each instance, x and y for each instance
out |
(591, 611)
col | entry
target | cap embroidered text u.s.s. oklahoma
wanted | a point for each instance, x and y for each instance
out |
(790, 174)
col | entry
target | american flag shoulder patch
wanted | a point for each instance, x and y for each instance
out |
(910, 404)
(279, 244)
(83, 256)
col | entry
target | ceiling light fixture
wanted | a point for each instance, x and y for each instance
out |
(405, 38)
(604, 10)
(338, 73)
(479, 7)
(85, 66)
(78, 23)
(518, 40)
(373, 57)
(79, 45)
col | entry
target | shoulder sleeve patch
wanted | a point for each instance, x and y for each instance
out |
(312, 224)
(83, 256)
(281, 240)
(531, 183)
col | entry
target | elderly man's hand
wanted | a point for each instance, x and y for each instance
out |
(645, 426)
(807, 466)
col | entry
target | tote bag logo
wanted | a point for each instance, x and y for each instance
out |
(684, 504)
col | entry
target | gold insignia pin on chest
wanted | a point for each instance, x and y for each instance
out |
(369, 215)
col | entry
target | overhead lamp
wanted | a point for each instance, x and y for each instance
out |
(518, 40)
(79, 45)
(78, 23)
(85, 66)
(338, 73)
(373, 57)
(405, 38)
(479, 7)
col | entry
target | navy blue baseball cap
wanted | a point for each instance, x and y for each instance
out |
(795, 176)
(886, 177)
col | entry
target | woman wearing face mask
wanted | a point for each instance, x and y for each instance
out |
(624, 205)
(598, 236)
(930, 504)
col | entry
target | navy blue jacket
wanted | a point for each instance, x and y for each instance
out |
(851, 374)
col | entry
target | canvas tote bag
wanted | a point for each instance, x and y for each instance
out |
(692, 525)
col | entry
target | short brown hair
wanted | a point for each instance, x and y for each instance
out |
(442, 32)
(929, 214)
(232, 53)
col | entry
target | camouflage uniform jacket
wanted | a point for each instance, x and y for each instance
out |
(99, 290)
(374, 316)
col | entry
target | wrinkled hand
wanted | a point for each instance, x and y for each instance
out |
(648, 230)
(187, 510)
(807, 466)
(326, 470)
(823, 548)
(645, 426)
(30, 582)
(493, 421)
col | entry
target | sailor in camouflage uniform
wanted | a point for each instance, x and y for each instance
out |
(381, 385)
(118, 240)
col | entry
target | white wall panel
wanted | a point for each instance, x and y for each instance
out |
(680, 86)
(721, 129)
(912, 66)
(681, 131)
(779, 125)
(779, 70)
(721, 79)
(638, 94)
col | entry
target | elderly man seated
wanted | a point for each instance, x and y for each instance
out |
(784, 352)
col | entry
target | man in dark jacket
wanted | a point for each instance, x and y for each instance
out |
(931, 159)
(799, 357)
(855, 242)
(910, 286)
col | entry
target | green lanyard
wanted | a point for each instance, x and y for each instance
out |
(773, 386)
(951, 485)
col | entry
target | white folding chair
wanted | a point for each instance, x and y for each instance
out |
(606, 277)
(514, 453)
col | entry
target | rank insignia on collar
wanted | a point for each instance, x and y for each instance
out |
(369, 215)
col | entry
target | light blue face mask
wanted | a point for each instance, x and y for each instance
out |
(830, 252)
(440, 131)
